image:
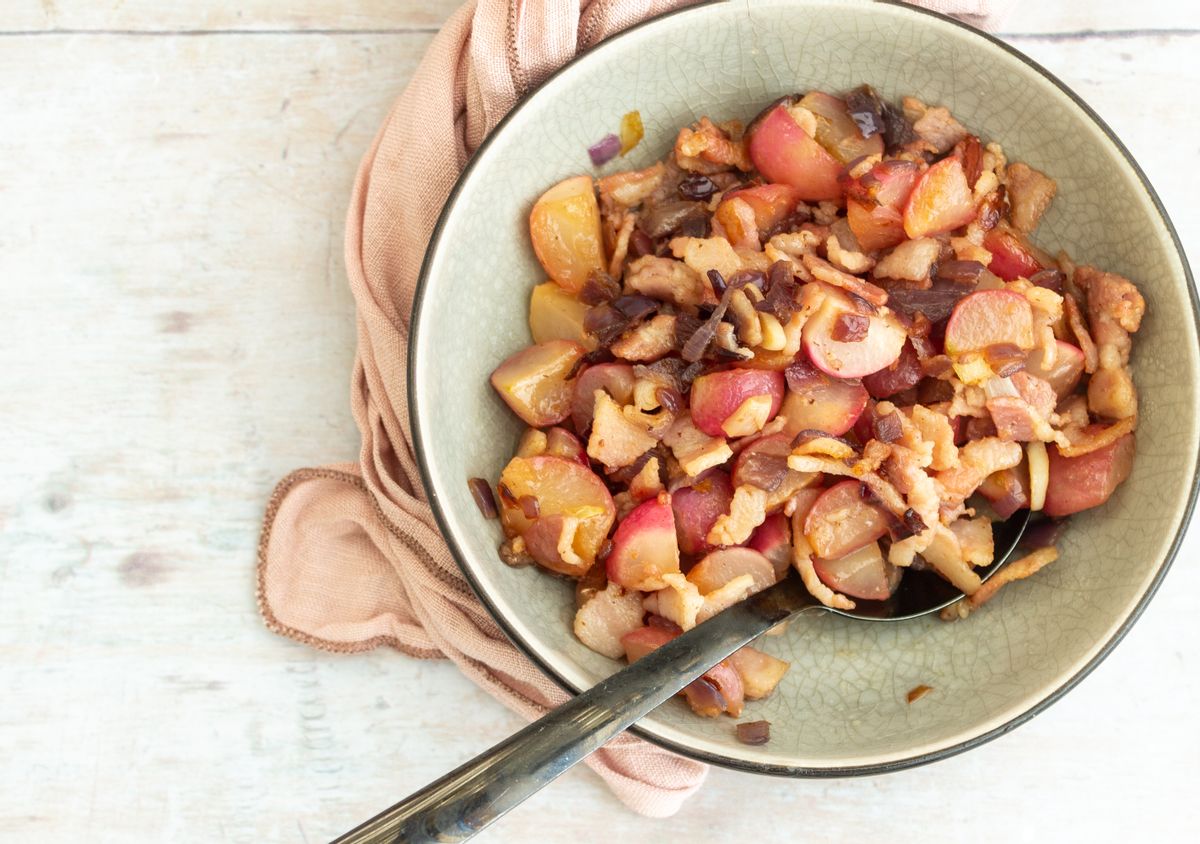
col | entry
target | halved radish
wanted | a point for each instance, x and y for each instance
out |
(940, 202)
(817, 402)
(763, 463)
(1013, 256)
(783, 152)
(644, 547)
(874, 203)
(555, 314)
(836, 129)
(989, 318)
(724, 564)
(562, 443)
(560, 487)
(860, 574)
(1067, 370)
(697, 508)
(773, 539)
(719, 401)
(564, 226)
(617, 379)
(881, 347)
(534, 382)
(841, 521)
(1079, 483)
(767, 205)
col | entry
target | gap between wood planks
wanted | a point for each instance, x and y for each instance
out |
(1079, 35)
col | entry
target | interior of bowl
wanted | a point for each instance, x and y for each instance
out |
(841, 708)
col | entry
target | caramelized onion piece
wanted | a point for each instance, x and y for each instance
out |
(754, 732)
(599, 288)
(918, 692)
(529, 506)
(851, 328)
(1005, 359)
(481, 491)
(936, 302)
(669, 216)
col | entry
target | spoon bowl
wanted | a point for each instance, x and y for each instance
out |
(469, 798)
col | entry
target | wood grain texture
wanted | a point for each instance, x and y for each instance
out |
(177, 335)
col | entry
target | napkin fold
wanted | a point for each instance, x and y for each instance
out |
(350, 557)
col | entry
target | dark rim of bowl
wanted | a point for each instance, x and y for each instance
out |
(762, 767)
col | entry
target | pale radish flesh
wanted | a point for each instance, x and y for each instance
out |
(1066, 372)
(842, 521)
(534, 382)
(817, 402)
(861, 574)
(940, 202)
(989, 318)
(785, 153)
(555, 314)
(723, 565)
(881, 346)
(564, 227)
(773, 539)
(616, 379)
(561, 487)
(644, 547)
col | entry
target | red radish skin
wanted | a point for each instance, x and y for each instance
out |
(773, 539)
(644, 547)
(900, 376)
(562, 443)
(881, 347)
(1080, 483)
(1067, 370)
(716, 396)
(785, 153)
(1012, 255)
(773, 447)
(875, 202)
(615, 378)
(823, 403)
(697, 508)
(840, 521)
(989, 318)
(940, 202)
(861, 574)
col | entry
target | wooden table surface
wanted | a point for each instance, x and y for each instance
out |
(177, 334)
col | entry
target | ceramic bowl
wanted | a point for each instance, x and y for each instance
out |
(841, 709)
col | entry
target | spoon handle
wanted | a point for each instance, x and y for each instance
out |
(464, 801)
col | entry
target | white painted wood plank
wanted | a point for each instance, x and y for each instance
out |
(174, 305)
(165, 15)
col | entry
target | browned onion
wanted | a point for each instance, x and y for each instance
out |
(754, 732)
(1049, 279)
(705, 698)
(485, 500)
(960, 272)
(529, 506)
(972, 158)
(669, 399)
(1005, 358)
(696, 345)
(667, 217)
(600, 287)
(780, 300)
(1044, 534)
(594, 580)
(886, 427)
(763, 470)
(663, 623)
(506, 497)
(511, 557)
(936, 302)
(640, 244)
(851, 328)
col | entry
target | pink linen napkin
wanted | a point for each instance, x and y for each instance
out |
(350, 557)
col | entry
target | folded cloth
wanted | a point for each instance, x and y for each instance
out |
(350, 556)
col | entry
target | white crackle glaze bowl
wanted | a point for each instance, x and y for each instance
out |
(841, 709)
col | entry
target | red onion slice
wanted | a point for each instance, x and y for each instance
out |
(605, 149)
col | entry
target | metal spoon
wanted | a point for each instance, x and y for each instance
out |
(469, 798)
